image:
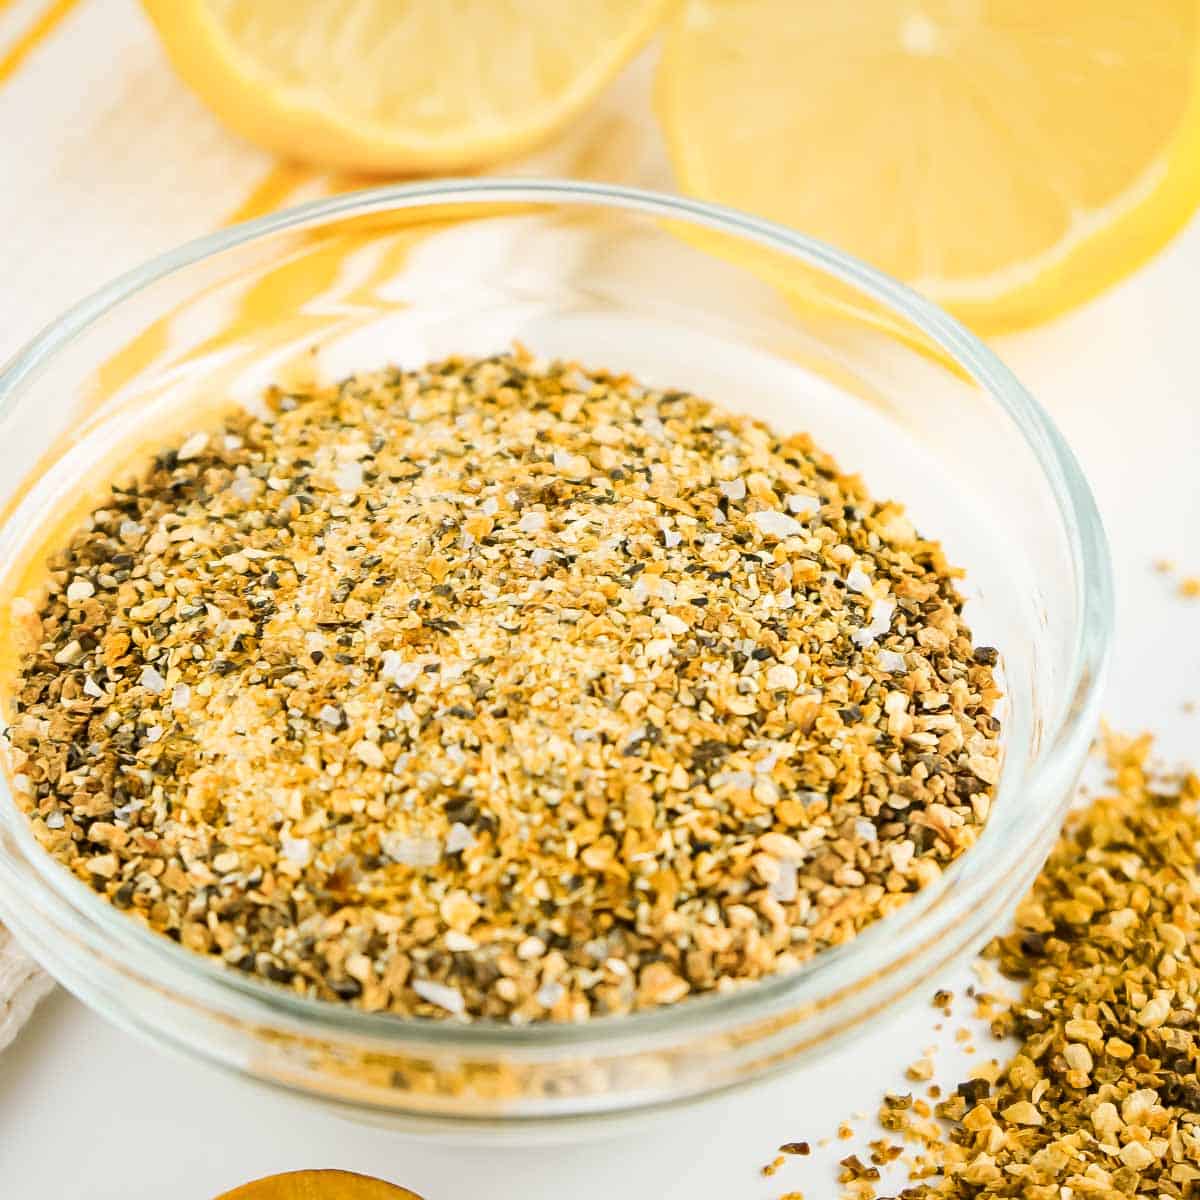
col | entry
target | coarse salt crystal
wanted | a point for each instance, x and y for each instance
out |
(398, 670)
(193, 447)
(734, 779)
(181, 696)
(891, 661)
(879, 623)
(802, 505)
(296, 850)
(244, 488)
(411, 851)
(541, 556)
(857, 580)
(80, 589)
(766, 765)
(440, 994)
(784, 888)
(776, 524)
(881, 613)
(865, 830)
(458, 943)
(154, 733)
(330, 715)
(92, 688)
(550, 993)
(55, 820)
(733, 489)
(490, 507)
(673, 625)
(151, 680)
(349, 477)
(532, 522)
(659, 647)
(671, 537)
(459, 838)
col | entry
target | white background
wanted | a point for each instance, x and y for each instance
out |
(104, 159)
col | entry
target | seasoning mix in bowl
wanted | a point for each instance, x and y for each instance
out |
(500, 688)
(479, 738)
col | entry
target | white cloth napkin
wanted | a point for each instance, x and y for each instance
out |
(22, 984)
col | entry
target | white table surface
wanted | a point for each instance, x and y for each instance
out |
(86, 1110)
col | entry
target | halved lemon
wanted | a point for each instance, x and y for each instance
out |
(1009, 158)
(400, 85)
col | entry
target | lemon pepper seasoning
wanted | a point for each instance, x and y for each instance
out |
(499, 688)
(1101, 1097)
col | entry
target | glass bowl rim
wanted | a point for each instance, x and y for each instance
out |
(892, 935)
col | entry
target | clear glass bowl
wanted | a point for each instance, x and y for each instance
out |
(684, 295)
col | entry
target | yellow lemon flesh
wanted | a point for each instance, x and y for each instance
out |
(1009, 158)
(400, 85)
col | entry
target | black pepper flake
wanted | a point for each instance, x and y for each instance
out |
(974, 1090)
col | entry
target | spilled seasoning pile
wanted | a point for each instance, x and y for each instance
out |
(497, 688)
(1102, 1100)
